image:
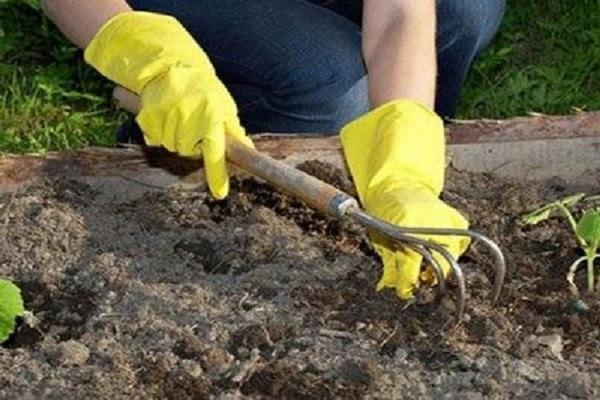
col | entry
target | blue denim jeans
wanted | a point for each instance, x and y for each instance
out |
(297, 66)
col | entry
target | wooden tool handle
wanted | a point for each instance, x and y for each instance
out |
(316, 193)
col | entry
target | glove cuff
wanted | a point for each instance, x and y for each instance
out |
(133, 48)
(402, 140)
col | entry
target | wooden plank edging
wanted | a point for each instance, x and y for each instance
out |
(482, 142)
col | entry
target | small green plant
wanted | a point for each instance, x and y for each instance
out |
(11, 307)
(586, 230)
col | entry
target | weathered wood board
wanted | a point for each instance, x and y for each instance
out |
(537, 147)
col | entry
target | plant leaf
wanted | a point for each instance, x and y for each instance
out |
(571, 200)
(11, 307)
(545, 212)
(539, 215)
(588, 227)
(594, 197)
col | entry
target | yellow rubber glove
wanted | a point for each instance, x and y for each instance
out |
(396, 157)
(185, 107)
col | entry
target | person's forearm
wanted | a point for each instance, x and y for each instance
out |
(399, 50)
(80, 20)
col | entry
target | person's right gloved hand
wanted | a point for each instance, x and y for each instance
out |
(185, 107)
(396, 156)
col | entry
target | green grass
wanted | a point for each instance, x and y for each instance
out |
(546, 59)
(49, 99)
(36, 118)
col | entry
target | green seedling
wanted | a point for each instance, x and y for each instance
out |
(586, 230)
(550, 209)
(588, 233)
(11, 307)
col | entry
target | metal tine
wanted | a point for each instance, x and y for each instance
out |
(459, 276)
(437, 269)
(398, 234)
(454, 265)
(500, 263)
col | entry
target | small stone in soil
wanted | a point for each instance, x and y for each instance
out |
(548, 346)
(191, 368)
(578, 306)
(73, 353)
(216, 360)
(355, 373)
(400, 354)
(576, 385)
(554, 344)
(524, 369)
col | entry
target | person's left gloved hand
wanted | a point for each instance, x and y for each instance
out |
(184, 105)
(396, 157)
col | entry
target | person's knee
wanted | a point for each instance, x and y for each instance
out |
(353, 103)
(325, 92)
(474, 23)
(327, 71)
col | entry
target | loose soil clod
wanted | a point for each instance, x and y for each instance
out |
(175, 295)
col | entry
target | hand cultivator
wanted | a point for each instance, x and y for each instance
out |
(327, 199)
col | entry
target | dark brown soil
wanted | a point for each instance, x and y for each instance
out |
(175, 295)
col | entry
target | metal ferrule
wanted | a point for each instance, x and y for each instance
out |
(340, 204)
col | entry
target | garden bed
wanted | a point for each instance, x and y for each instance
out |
(142, 286)
(169, 294)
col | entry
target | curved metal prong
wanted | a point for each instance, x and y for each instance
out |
(393, 232)
(458, 275)
(456, 268)
(499, 261)
(437, 269)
